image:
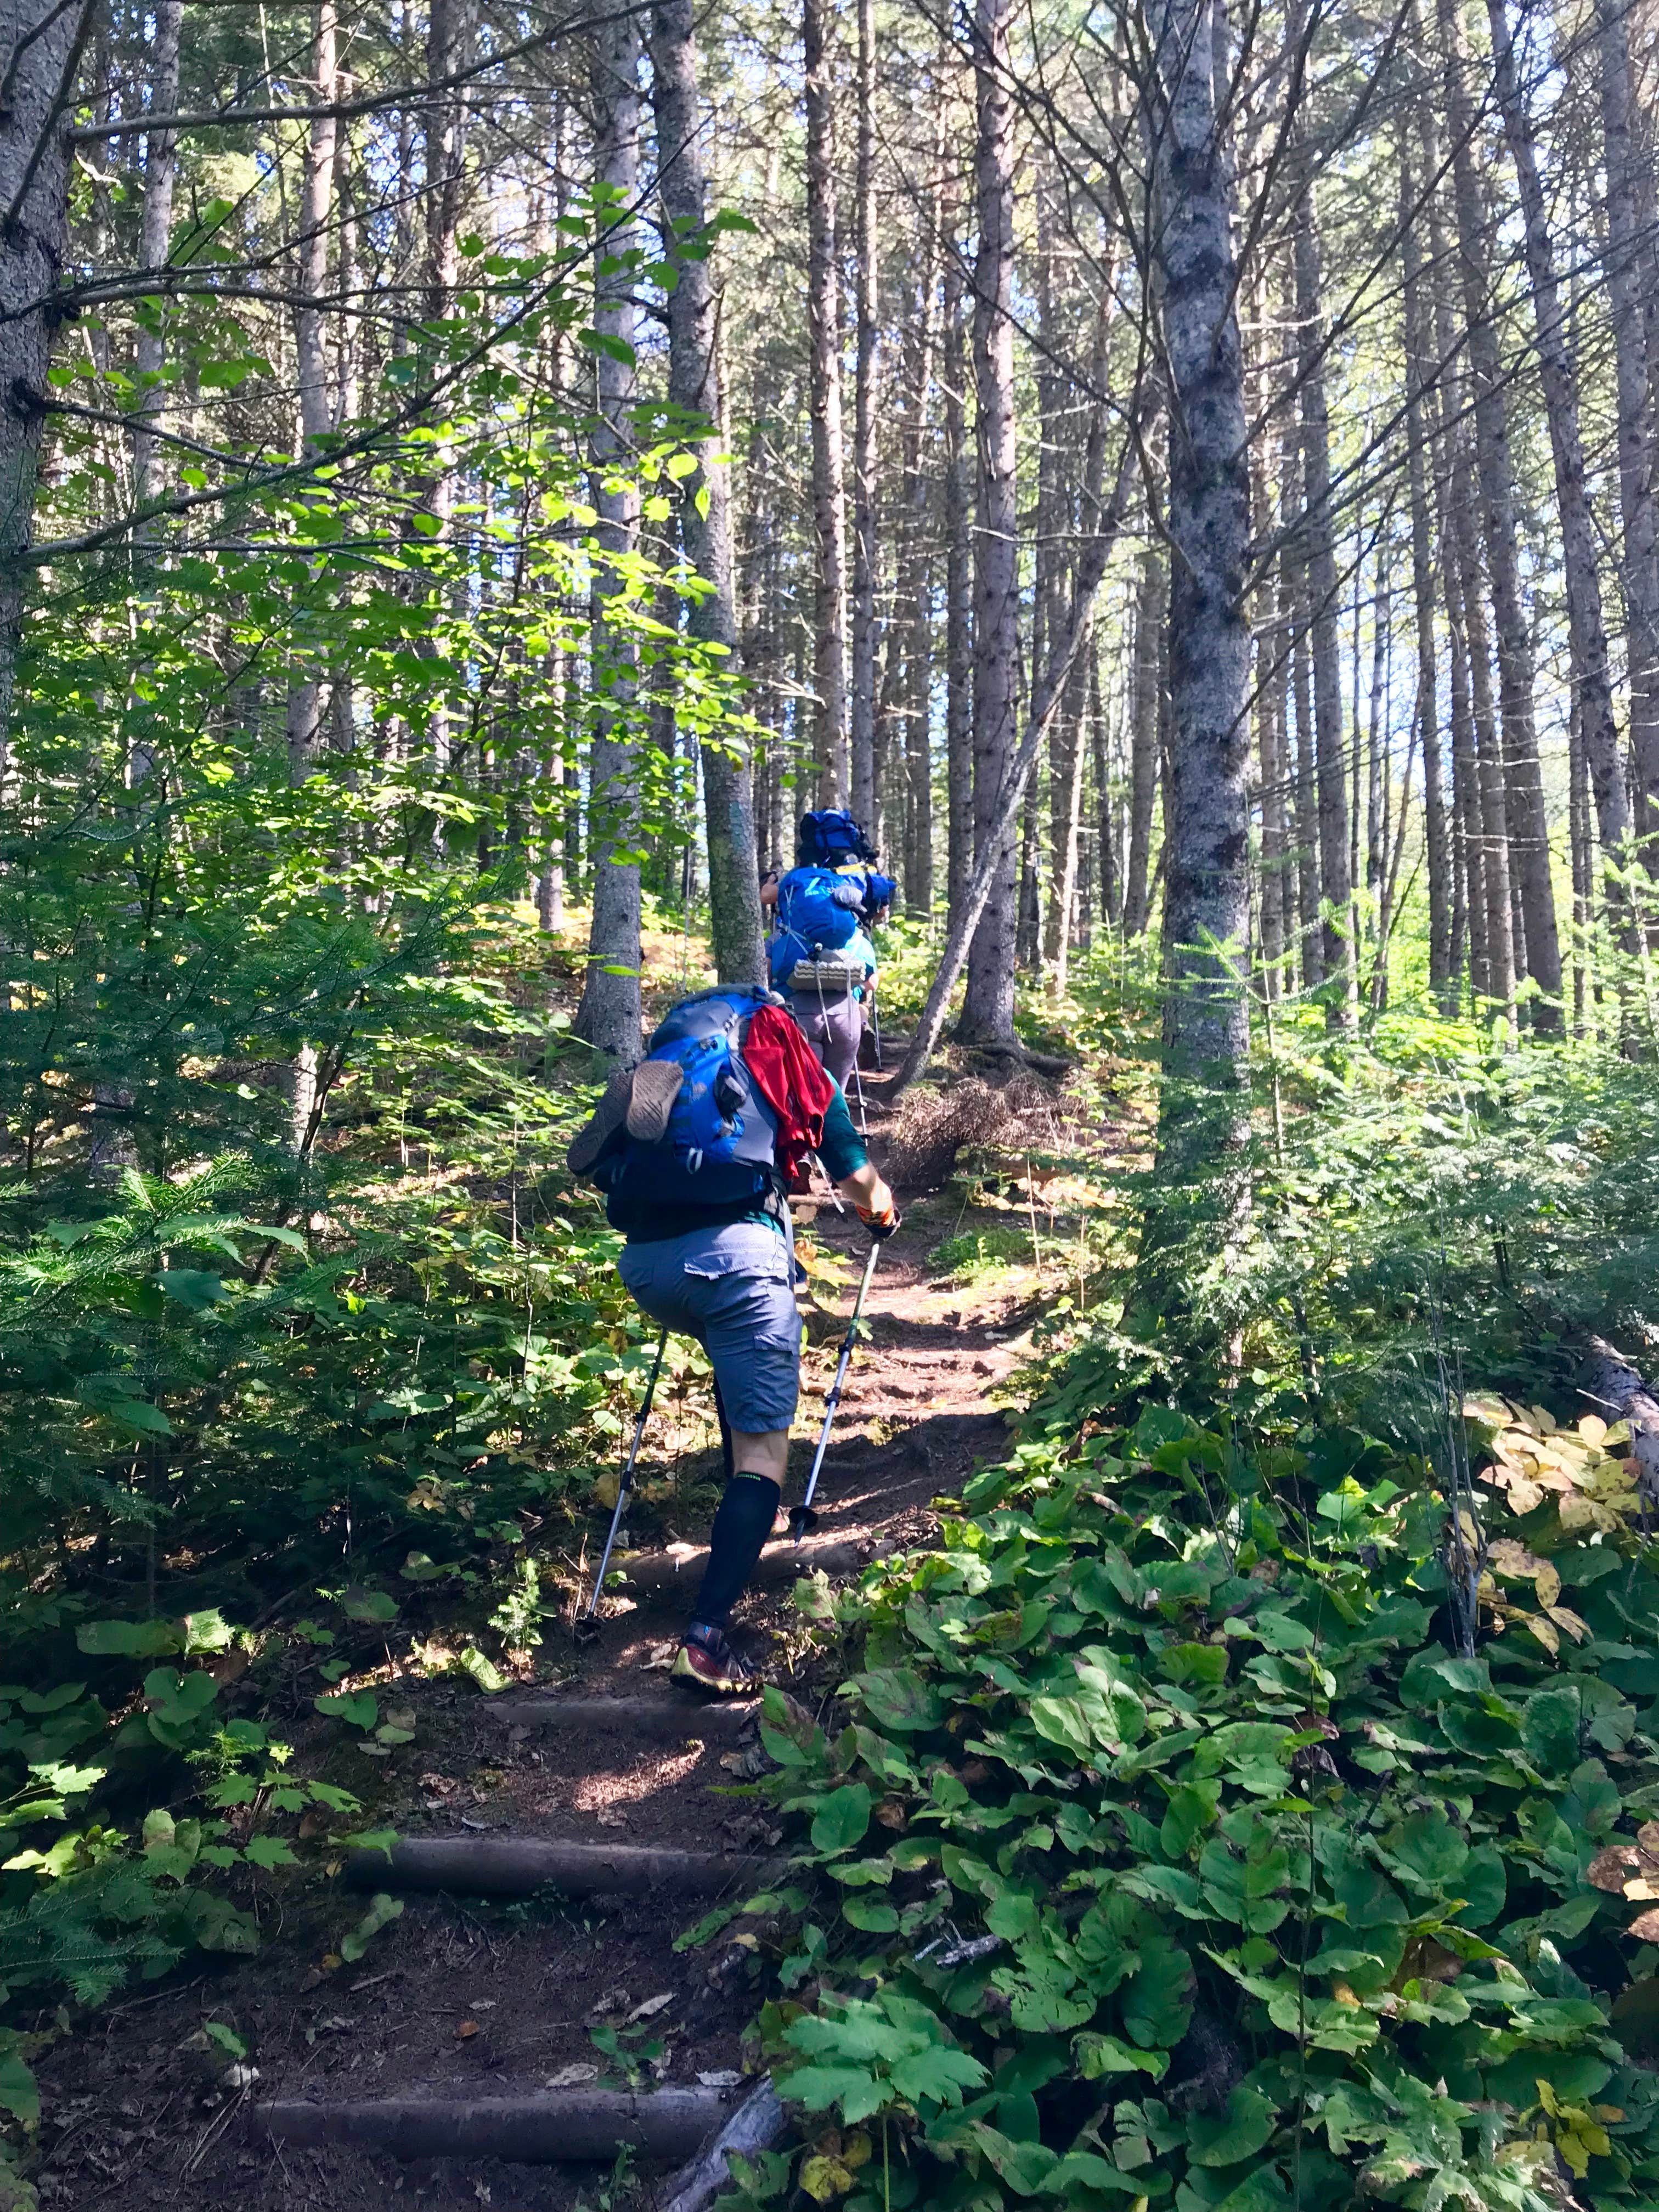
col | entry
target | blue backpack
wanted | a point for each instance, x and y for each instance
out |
(829, 836)
(719, 1148)
(818, 912)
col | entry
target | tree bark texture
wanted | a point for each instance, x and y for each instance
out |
(706, 510)
(1522, 782)
(34, 192)
(987, 1014)
(958, 572)
(1587, 636)
(1426, 592)
(1336, 932)
(867, 340)
(609, 1016)
(156, 236)
(829, 484)
(1639, 510)
(1207, 1020)
(1150, 605)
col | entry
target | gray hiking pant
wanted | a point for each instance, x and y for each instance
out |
(833, 1024)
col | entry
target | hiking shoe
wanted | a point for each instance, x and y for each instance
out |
(656, 1086)
(607, 1118)
(707, 1659)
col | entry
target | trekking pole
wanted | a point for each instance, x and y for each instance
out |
(875, 1023)
(840, 1202)
(627, 1478)
(802, 1517)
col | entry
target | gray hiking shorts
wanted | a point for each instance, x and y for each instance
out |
(834, 1027)
(733, 1289)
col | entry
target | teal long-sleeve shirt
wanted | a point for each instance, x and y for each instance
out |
(842, 1153)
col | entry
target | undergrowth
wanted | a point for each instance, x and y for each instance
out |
(1171, 1846)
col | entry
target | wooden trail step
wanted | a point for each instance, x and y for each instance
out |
(672, 1719)
(543, 2128)
(517, 1866)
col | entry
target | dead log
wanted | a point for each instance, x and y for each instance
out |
(1617, 1392)
(754, 2127)
(517, 1866)
(780, 1562)
(652, 1720)
(543, 2128)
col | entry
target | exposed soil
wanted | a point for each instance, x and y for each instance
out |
(464, 1996)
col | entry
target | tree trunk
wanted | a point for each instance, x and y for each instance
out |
(1337, 951)
(958, 574)
(1638, 511)
(706, 511)
(311, 342)
(1587, 638)
(987, 1014)
(1522, 781)
(829, 486)
(1144, 738)
(156, 236)
(1206, 1025)
(862, 726)
(1309, 935)
(1420, 426)
(609, 1016)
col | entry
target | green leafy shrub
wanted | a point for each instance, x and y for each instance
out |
(1171, 1852)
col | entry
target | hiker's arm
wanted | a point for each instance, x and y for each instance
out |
(847, 1164)
(768, 889)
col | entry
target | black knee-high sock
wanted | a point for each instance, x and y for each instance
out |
(742, 1525)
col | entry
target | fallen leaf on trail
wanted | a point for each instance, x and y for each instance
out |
(484, 2004)
(650, 2008)
(658, 1658)
(467, 2029)
(467, 1821)
(608, 1816)
(572, 2077)
(611, 2000)
(439, 1785)
(746, 1764)
(726, 2077)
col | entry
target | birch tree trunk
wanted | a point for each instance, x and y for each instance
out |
(1588, 643)
(1638, 511)
(1528, 829)
(706, 511)
(609, 1016)
(862, 722)
(829, 484)
(987, 1014)
(1207, 1026)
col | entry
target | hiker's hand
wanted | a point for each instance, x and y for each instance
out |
(881, 1221)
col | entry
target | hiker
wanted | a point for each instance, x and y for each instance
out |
(694, 1149)
(820, 952)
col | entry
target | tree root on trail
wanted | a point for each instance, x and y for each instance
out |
(754, 2127)
(517, 1866)
(545, 2129)
(672, 1719)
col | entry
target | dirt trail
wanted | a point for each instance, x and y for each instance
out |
(460, 1996)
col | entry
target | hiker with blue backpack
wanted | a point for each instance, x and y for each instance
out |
(820, 952)
(696, 1149)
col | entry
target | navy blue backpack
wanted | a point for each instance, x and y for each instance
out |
(720, 1146)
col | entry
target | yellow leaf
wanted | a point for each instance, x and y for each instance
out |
(1543, 1420)
(1512, 1558)
(1524, 1496)
(1592, 1429)
(1618, 1434)
(1545, 1631)
(1640, 1890)
(825, 2178)
(1563, 1617)
(606, 1488)
(856, 2150)
(1548, 1583)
